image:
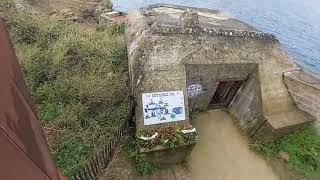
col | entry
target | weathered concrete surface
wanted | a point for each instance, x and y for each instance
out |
(165, 56)
(247, 104)
(281, 124)
(304, 87)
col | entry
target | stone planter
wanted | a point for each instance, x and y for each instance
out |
(167, 156)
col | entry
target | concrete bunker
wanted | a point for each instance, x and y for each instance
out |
(215, 61)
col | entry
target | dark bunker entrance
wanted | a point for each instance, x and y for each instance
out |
(224, 94)
(233, 87)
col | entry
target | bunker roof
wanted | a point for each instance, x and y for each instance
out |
(174, 19)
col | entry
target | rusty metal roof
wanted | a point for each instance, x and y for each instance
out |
(24, 151)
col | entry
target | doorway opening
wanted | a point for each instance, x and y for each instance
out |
(224, 94)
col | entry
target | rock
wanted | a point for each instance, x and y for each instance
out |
(102, 8)
(107, 5)
(104, 17)
(189, 18)
(87, 13)
(284, 156)
(66, 13)
(113, 13)
(53, 12)
(73, 18)
(98, 11)
(23, 6)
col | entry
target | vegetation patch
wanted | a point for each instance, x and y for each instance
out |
(78, 81)
(303, 148)
(133, 152)
(170, 136)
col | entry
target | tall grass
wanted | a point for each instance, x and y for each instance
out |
(78, 81)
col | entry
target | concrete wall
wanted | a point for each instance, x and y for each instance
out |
(208, 77)
(178, 51)
(305, 90)
(165, 57)
(157, 81)
(247, 104)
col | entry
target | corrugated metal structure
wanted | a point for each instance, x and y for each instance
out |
(23, 148)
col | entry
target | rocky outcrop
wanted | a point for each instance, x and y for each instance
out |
(189, 19)
(304, 87)
(102, 9)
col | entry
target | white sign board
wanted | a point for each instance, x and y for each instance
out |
(163, 107)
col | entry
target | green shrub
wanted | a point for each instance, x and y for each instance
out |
(303, 147)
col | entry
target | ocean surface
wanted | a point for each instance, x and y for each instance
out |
(296, 23)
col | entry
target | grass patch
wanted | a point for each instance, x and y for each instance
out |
(303, 147)
(133, 152)
(78, 82)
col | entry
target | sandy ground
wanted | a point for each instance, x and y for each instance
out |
(223, 153)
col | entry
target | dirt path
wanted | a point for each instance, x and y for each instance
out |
(223, 153)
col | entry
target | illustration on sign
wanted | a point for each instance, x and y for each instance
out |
(163, 107)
